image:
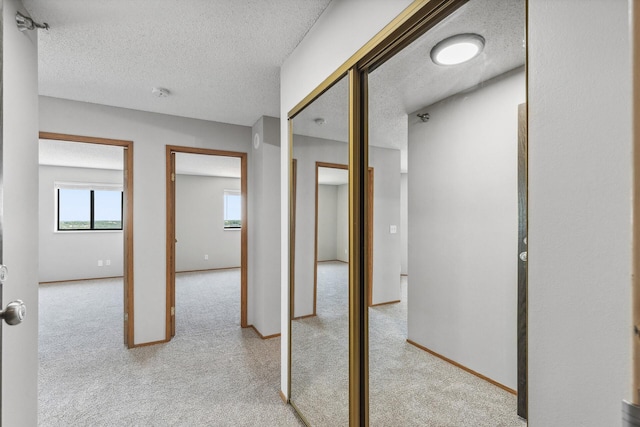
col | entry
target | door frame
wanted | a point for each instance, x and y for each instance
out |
(127, 217)
(369, 231)
(171, 150)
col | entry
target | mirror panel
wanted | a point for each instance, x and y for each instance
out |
(443, 146)
(320, 285)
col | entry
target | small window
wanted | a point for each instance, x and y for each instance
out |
(81, 207)
(232, 209)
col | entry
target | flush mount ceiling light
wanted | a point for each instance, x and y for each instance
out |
(457, 49)
(320, 121)
(160, 92)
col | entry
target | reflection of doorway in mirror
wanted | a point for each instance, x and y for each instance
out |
(319, 269)
(332, 229)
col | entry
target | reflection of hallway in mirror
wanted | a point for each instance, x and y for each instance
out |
(317, 369)
(411, 387)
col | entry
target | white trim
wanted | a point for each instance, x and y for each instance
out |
(87, 186)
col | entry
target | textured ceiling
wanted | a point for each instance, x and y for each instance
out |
(220, 59)
(205, 165)
(96, 156)
(80, 155)
(333, 176)
(410, 80)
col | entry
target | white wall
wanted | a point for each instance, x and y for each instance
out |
(463, 210)
(386, 212)
(20, 214)
(73, 255)
(200, 224)
(404, 224)
(579, 212)
(150, 133)
(327, 222)
(264, 228)
(342, 243)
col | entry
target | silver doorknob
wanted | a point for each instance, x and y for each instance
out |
(523, 256)
(14, 313)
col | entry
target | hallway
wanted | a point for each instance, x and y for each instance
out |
(211, 373)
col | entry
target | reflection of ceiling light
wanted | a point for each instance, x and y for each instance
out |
(457, 49)
(160, 92)
(320, 121)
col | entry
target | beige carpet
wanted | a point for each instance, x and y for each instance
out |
(216, 374)
(213, 373)
(408, 387)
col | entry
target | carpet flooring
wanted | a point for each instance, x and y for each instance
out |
(213, 373)
(408, 387)
(320, 352)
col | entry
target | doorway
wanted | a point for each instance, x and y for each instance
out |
(94, 223)
(242, 225)
(336, 175)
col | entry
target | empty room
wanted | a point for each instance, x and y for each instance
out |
(377, 233)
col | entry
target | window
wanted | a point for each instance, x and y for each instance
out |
(89, 207)
(232, 209)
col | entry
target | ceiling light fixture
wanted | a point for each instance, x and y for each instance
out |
(320, 121)
(160, 92)
(457, 49)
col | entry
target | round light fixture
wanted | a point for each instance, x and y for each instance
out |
(457, 49)
(320, 121)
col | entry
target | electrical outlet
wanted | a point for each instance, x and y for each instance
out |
(393, 229)
(99, 263)
(206, 257)
(107, 262)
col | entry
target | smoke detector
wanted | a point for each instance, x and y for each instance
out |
(160, 92)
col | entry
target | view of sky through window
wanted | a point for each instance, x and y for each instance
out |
(75, 209)
(232, 209)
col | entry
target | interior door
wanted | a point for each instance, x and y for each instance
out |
(19, 215)
(522, 260)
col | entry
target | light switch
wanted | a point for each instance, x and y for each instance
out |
(393, 229)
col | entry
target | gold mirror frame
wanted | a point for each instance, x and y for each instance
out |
(413, 22)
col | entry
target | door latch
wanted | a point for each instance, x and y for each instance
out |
(14, 313)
